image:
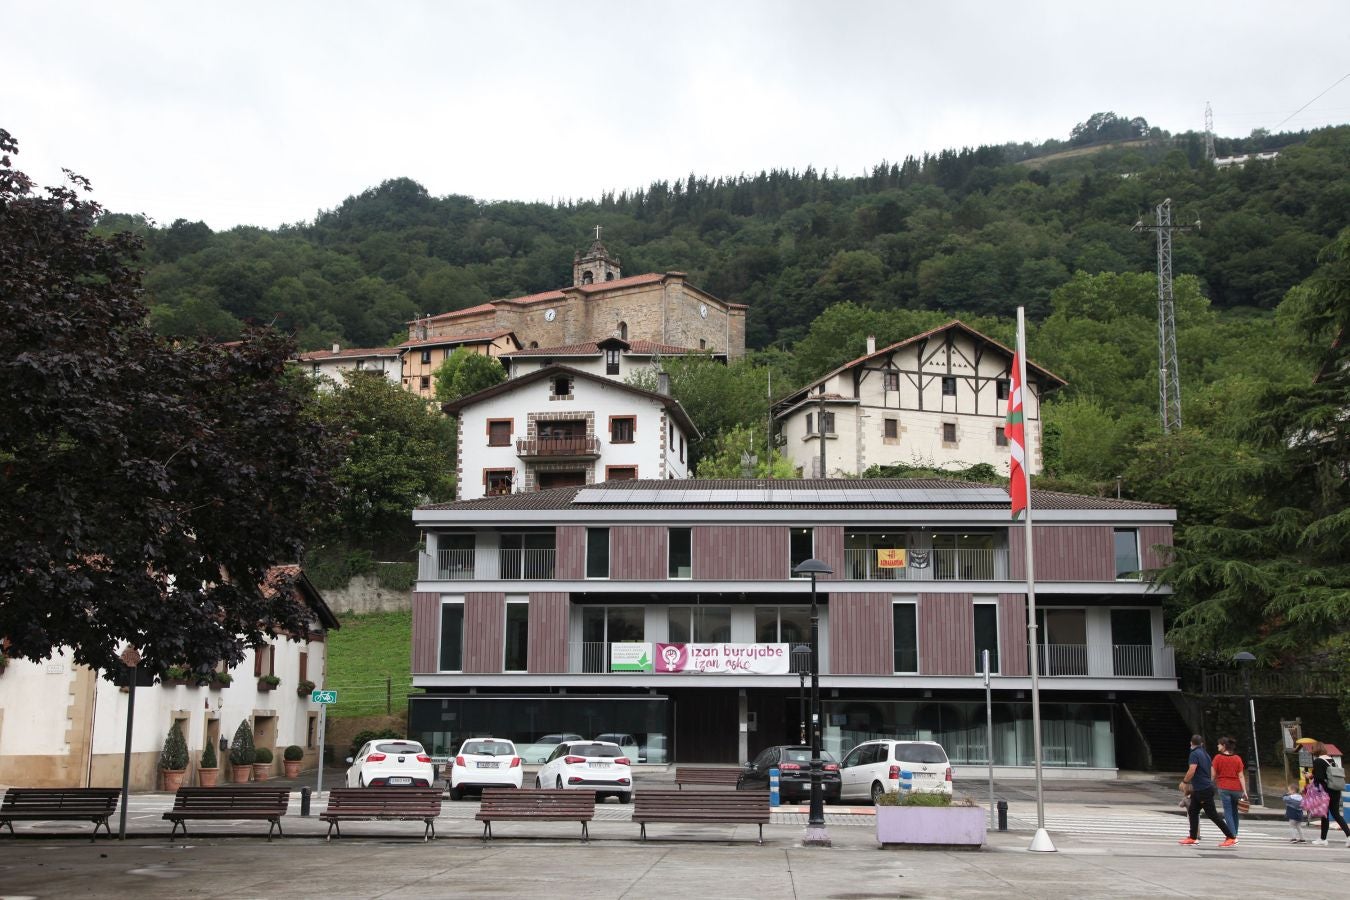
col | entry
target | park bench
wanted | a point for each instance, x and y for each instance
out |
(50, 804)
(706, 775)
(385, 804)
(546, 805)
(227, 803)
(701, 807)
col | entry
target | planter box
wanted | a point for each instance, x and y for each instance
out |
(928, 826)
(266, 685)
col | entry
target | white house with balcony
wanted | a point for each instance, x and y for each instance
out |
(560, 426)
(327, 366)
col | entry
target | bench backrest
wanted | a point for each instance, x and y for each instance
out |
(688, 775)
(731, 802)
(547, 801)
(67, 800)
(219, 799)
(385, 800)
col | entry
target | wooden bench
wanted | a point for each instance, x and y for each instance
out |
(701, 807)
(700, 775)
(49, 804)
(228, 803)
(383, 803)
(545, 805)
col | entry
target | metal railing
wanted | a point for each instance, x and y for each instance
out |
(526, 565)
(446, 565)
(1062, 659)
(563, 446)
(1304, 683)
(929, 565)
(463, 565)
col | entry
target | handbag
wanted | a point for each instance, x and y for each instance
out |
(1316, 801)
(1244, 806)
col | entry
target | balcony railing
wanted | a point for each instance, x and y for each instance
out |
(559, 447)
(526, 565)
(929, 565)
(446, 565)
(1062, 659)
(512, 565)
(1107, 661)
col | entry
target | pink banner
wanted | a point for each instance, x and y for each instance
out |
(728, 659)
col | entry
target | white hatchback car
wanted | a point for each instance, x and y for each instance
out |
(484, 762)
(598, 766)
(390, 763)
(874, 768)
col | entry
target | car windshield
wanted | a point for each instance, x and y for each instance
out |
(920, 753)
(490, 748)
(602, 750)
(399, 747)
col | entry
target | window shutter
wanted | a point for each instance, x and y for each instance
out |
(304, 666)
(257, 660)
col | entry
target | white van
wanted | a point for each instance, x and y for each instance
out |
(874, 768)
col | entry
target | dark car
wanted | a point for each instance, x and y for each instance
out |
(793, 762)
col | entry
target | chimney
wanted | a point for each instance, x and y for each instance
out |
(871, 344)
(336, 347)
(663, 383)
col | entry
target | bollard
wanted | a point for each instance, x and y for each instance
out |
(774, 797)
(1003, 815)
(304, 801)
(906, 782)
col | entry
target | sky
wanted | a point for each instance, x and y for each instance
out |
(265, 113)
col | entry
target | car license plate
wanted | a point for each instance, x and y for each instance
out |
(596, 765)
(491, 765)
(400, 781)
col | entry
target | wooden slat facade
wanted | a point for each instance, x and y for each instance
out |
(571, 558)
(861, 634)
(484, 631)
(1012, 634)
(1065, 553)
(547, 652)
(740, 552)
(639, 553)
(829, 546)
(1151, 536)
(946, 634)
(426, 632)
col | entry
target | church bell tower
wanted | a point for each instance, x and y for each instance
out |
(595, 265)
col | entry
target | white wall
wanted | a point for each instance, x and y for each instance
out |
(35, 699)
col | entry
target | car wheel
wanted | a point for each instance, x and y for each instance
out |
(877, 792)
(456, 794)
(559, 784)
(624, 797)
(537, 784)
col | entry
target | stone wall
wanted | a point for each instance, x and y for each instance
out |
(363, 595)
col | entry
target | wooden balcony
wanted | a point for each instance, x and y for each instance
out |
(559, 448)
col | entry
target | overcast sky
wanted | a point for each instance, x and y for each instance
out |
(264, 113)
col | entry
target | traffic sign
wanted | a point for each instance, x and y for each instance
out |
(324, 697)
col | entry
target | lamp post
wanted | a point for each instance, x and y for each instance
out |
(801, 664)
(1245, 661)
(816, 835)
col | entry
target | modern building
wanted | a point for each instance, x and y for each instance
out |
(328, 366)
(669, 611)
(559, 426)
(936, 400)
(62, 725)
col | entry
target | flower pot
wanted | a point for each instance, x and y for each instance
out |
(265, 685)
(932, 826)
(240, 774)
(172, 778)
(292, 767)
(207, 777)
(262, 771)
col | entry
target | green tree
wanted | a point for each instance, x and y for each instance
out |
(465, 372)
(735, 449)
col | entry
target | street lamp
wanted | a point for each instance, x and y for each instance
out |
(816, 835)
(1245, 662)
(801, 664)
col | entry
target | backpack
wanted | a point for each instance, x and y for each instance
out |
(1335, 777)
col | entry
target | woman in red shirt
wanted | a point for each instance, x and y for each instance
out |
(1230, 780)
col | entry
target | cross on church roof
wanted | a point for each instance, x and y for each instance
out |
(597, 232)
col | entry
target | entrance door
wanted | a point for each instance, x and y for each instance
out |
(706, 723)
(1132, 642)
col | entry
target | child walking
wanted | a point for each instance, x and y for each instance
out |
(1293, 814)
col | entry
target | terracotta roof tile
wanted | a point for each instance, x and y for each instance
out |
(320, 355)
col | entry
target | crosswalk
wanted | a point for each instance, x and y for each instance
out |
(1146, 826)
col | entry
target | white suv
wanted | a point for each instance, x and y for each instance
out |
(484, 762)
(875, 768)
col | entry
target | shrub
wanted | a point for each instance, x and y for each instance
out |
(176, 673)
(222, 678)
(914, 798)
(241, 748)
(293, 752)
(174, 756)
(262, 755)
(370, 735)
(273, 680)
(397, 577)
(304, 687)
(209, 757)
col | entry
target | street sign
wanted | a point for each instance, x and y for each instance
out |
(324, 697)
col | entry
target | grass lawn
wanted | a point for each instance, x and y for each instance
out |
(362, 654)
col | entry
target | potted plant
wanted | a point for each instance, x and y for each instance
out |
(174, 676)
(173, 759)
(220, 680)
(208, 771)
(267, 682)
(242, 753)
(304, 687)
(291, 758)
(925, 819)
(262, 764)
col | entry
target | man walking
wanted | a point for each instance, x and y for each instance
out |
(1201, 786)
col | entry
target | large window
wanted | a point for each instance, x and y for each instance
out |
(782, 624)
(986, 635)
(906, 640)
(869, 555)
(1062, 636)
(499, 432)
(517, 636)
(452, 636)
(527, 554)
(967, 556)
(681, 561)
(700, 624)
(605, 625)
(801, 547)
(1127, 554)
(597, 552)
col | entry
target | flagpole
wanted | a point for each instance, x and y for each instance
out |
(1041, 841)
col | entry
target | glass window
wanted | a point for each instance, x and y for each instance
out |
(827, 422)
(986, 635)
(810, 423)
(452, 637)
(425, 382)
(1000, 436)
(892, 429)
(891, 381)
(517, 636)
(699, 624)
(681, 561)
(597, 552)
(801, 548)
(562, 386)
(621, 429)
(782, 624)
(1002, 388)
(906, 631)
(612, 362)
(499, 432)
(498, 482)
(949, 432)
(620, 473)
(426, 357)
(948, 385)
(1127, 554)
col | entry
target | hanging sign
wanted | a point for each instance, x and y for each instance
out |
(722, 659)
(891, 559)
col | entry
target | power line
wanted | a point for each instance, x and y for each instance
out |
(1312, 101)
